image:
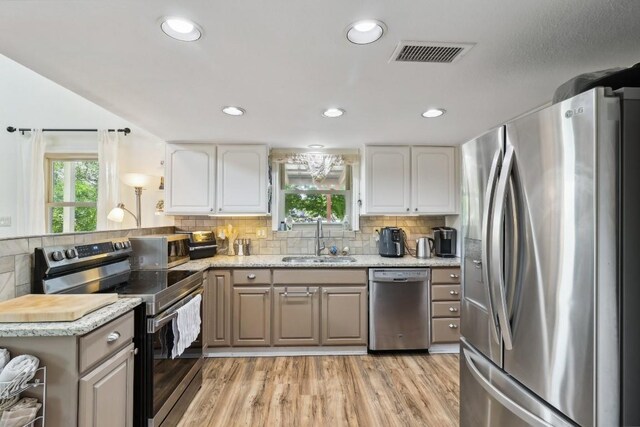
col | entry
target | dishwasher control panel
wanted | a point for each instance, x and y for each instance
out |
(399, 274)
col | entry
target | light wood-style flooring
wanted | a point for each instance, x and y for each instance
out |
(372, 390)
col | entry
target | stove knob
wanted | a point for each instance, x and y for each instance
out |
(57, 256)
(71, 253)
(127, 244)
(118, 246)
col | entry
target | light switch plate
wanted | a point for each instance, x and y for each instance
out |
(5, 221)
(261, 232)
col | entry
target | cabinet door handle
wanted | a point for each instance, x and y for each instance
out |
(134, 351)
(453, 326)
(454, 276)
(113, 336)
(416, 209)
(251, 276)
(477, 263)
(453, 309)
(453, 292)
(408, 209)
(211, 210)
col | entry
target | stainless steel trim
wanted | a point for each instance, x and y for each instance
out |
(494, 391)
(486, 240)
(154, 324)
(497, 235)
(197, 248)
(93, 279)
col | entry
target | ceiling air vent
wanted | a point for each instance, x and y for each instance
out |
(434, 52)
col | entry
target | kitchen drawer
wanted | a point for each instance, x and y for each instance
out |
(445, 330)
(305, 276)
(251, 277)
(445, 309)
(445, 275)
(105, 340)
(445, 293)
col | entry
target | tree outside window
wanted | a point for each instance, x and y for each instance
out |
(72, 193)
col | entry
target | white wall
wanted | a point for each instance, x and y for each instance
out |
(28, 99)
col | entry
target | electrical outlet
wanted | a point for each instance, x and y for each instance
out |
(5, 221)
(261, 232)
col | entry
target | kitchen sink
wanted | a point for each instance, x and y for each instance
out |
(318, 259)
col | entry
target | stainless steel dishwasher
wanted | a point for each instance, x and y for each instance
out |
(399, 309)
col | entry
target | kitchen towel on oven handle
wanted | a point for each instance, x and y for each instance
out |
(186, 326)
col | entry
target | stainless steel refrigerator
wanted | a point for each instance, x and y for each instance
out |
(551, 267)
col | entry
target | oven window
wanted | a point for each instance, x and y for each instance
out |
(168, 373)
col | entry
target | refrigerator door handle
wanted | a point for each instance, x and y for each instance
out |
(486, 238)
(502, 397)
(497, 238)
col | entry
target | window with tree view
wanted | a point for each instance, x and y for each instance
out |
(72, 194)
(306, 200)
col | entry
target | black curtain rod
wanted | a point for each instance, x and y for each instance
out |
(11, 129)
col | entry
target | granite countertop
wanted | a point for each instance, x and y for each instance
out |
(275, 261)
(81, 326)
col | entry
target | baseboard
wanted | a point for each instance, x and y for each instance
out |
(444, 348)
(286, 351)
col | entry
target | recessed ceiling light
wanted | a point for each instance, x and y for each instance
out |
(316, 146)
(333, 112)
(365, 32)
(433, 112)
(181, 29)
(233, 111)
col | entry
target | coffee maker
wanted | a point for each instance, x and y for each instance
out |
(391, 242)
(444, 241)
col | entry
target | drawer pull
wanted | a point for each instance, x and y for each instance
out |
(453, 292)
(453, 309)
(134, 351)
(297, 294)
(251, 276)
(454, 276)
(453, 326)
(113, 336)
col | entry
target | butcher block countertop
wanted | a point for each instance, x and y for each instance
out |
(82, 326)
(275, 261)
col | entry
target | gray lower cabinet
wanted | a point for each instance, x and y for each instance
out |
(89, 377)
(106, 393)
(217, 325)
(251, 316)
(344, 315)
(296, 315)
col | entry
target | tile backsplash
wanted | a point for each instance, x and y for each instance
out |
(16, 255)
(300, 240)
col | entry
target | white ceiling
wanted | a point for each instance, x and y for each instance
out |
(284, 61)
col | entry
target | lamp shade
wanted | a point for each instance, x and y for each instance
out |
(116, 214)
(136, 179)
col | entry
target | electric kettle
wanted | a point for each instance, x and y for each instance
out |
(424, 247)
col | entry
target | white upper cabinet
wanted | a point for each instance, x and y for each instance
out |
(417, 180)
(387, 179)
(433, 179)
(190, 178)
(242, 179)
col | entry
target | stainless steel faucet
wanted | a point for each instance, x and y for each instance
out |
(319, 235)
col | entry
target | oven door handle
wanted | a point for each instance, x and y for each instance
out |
(153, 325)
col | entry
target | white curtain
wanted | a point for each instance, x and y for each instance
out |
(108, 184)
(31, 185)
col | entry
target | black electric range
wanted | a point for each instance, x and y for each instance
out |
(159, 289)
(164, 382)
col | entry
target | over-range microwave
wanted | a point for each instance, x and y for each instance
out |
(159, 252)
